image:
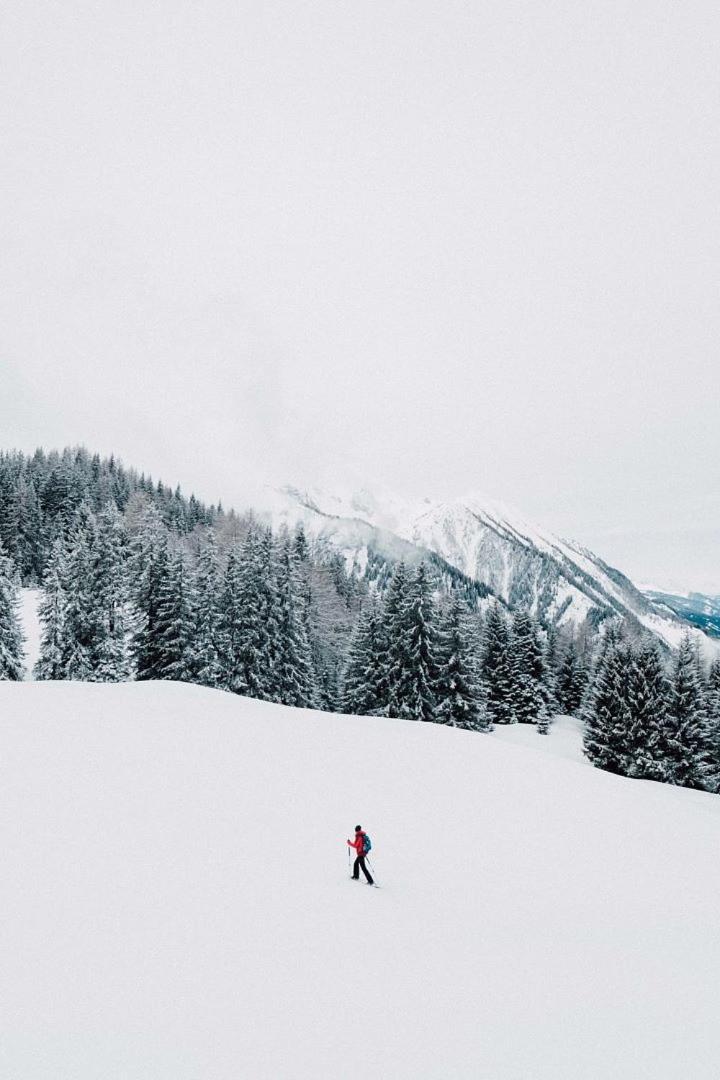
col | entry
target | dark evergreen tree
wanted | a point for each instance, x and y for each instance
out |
(647, 695)
(151, 560)
(413, 677)
(292, 671)
(572, 681)
(496, 668)
(529, 692)
(684, 736)
(111, 596)
(50, 664)
(458, 687)
(608, 719)
(204, 666)
(81, 633)
(11, 640)
(362, 687)
(174, 625)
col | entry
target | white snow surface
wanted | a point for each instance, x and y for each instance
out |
(176, 902)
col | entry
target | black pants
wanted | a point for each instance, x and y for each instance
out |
(359, 865)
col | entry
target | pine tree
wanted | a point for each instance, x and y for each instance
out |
(174, 622)
(496, 667)
(392, 635)
(712, 706)
(529, 694)
(151, 559)
(647, 695)
(293, 675)
(204, 660)
(458, 688)
(413, 677)
(50, 664)
(362, 686)
(608, 719)
(571, 681)
(11, 640)
(684, 736)
(80, 631)
(110, 591)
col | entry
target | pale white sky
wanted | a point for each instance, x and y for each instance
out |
(445, 246)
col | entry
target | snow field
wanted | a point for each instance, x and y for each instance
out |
(176, 901)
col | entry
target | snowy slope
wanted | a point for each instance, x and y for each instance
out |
(176, 903)
(518, 561)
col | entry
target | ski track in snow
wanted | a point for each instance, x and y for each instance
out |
(176, 903)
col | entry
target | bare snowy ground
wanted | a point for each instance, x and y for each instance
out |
(176, 901)
(29, 603)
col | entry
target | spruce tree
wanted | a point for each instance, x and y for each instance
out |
(529, 694)
(496, 667)
(712, 706)
(413, 677)
(50, 663)
(81, 633)
(458, 689)
(110, 590)
(684, 735)
(204, 658)
(174, 625)
(362, 684)
(608, 719)
(11, 640)
(292, 670)
(572, 681)
(648, 694)
(151, 560)
(392, 636)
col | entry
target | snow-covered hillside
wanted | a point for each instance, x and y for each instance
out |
(176, 903)
(521, 563)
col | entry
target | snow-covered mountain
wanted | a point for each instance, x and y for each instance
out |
(700, 609)
(176, 902)
(523, 564)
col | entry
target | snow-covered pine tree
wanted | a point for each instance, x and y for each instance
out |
(111, 593)
(571, 681)
(293, 675)
(204, 653)
(392, 637)
(413, 678)
(647, 695)
(684, 738)
(530, 694)
(11, 639)
(712, 706)
(607, 716)
(50, 663)
(80, 627)
(151, 560)
(362, 683)
(496, 666)
(174, 624)
(458, 689)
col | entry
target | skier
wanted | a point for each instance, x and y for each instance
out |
(361, 843)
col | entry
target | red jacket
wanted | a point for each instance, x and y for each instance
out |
(358, 843)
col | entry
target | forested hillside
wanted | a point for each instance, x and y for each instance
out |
(140, 583)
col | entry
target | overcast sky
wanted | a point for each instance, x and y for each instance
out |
(447, 246)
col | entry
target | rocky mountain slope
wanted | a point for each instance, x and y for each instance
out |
(558, 580)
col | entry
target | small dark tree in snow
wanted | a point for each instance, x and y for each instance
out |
(11, 641)
(684, 735)
(496, 668)
(363, 677)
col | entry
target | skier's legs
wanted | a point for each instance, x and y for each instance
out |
(356, 868)
(361, 859)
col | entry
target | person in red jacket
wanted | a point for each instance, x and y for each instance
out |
(359, 844)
